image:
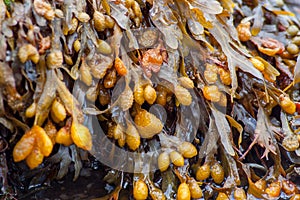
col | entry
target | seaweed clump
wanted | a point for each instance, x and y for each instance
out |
(177, 99)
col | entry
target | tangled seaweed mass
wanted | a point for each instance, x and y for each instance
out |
(178, 99)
